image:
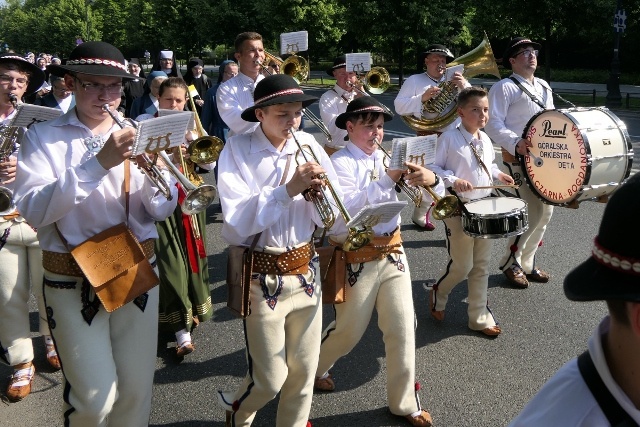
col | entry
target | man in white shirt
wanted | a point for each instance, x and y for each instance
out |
(60, 96)
(601, 387)
(71, 186)
(334, 102)
(418, 89)
(510, 108)
(236, 94)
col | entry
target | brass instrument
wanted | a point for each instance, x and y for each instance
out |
(198, 197)
(358, 237)
(294, 66)
(443, 106)
(8, 140)
(444, 206)
(206, 148)
(376, 81)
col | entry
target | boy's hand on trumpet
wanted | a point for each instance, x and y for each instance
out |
(117, 148)
(305, 176)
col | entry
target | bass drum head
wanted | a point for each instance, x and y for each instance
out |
(566, 146)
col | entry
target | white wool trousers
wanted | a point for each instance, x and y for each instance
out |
(20, 273)
(383, 285)
(108, 365)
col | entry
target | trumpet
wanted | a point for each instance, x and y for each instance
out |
(197, 199)
(8, 140)
(358, 237)
(444, 206)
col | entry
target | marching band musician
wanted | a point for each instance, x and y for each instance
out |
(261, 195)
(334, 102)
(236, 94)
(69, 184)
(418, 89)
(20, 254)
(378, 273)
(513, 101)
(465, 159)
(185, 298)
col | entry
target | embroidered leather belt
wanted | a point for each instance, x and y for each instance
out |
(63, 263)
(378, 248)
(508, 157)
(428, 132)
(295, 261)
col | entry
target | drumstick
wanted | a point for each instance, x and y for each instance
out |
(497, 186)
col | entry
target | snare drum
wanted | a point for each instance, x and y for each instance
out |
(578, 154)
(495, 217)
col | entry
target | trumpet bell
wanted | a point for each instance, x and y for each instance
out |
(205, 149)
(377, 80)
(445, 207)
(198, 199)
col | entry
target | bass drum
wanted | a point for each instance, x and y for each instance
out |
(578, 154)
(495, 217)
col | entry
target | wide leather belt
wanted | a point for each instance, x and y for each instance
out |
(13, 215)
(295, 261)
(63, 263)
(378, 248)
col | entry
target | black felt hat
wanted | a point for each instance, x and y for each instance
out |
(37, 75)
(338, 62)
(440, 49)
(513, 46)
(95, 59)
(613, 271)
(276, 89)
(362, 105)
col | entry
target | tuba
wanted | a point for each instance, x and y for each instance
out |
(441, 109)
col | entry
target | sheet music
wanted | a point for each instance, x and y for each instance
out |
(376, 213)
(192, 122)
(418, 149)
(29, 114)
(294, 42)
(358, 62)
(451, 70)
(161, 133)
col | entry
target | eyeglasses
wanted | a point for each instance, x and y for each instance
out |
(7, 80)
(95, 88)
(527, 53)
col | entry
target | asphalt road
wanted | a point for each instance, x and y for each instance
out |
(467, 379)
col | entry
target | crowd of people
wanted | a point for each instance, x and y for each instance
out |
(64, 174)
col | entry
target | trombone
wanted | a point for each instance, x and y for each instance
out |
(444, 206)
(294, 66)
(205, 149)
(358, 237)
(376, 81)
(197, 198)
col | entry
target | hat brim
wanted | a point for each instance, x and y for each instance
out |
(332, 69)
(592, 281)
(509, 53)
(448, 58)
(92, 70)
(342, 119)
(37, 75)
(249, 114)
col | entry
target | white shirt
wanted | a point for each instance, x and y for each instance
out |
(409, 99)
(65, 103)
(455, 160)
(510, 109)
(354, 168)
(60, 180)
(333, 103)
(250, 170)
(565, 400)
(233, 97)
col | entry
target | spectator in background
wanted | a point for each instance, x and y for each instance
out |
(148, 103)
(59, 97)
(195, 76)
(166, 62)
(133, 89)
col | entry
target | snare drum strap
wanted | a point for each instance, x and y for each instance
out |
(528, 93)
